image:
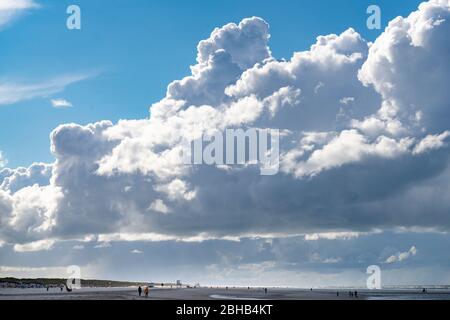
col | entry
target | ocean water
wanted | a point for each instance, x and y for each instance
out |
(384, 294)
(409, 296)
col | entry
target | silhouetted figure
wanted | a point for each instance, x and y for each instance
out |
(140, 291)
(47, 288)
(424, 290)
(337, 294)
(356, 294)
(265, 290)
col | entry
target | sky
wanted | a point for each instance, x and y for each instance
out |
(91, 122)
(129, 51)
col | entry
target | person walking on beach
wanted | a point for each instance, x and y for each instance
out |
(140, 291)
(356, 294)
(146, 292)
(265, 290)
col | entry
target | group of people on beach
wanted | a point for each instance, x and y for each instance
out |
(61, 288)
(353, 294)
(146, 291)
(350, 294)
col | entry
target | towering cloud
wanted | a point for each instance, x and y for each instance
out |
(365, 132)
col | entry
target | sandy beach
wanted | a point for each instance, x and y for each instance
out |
(217, 294)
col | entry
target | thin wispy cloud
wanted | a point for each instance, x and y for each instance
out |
(3, 161)
(61, 103)
(401, 256)
(102, 245)
(11, 9)
(35, 246)
(12, 92)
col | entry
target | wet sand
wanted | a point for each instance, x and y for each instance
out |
(215, 294)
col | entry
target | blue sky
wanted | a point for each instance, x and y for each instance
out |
(364, 171)
(132, 50)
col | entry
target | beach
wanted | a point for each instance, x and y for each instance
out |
(130, 293)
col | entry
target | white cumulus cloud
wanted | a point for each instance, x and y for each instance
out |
(365, 132)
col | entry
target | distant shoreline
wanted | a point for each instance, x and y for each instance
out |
(11, 282)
